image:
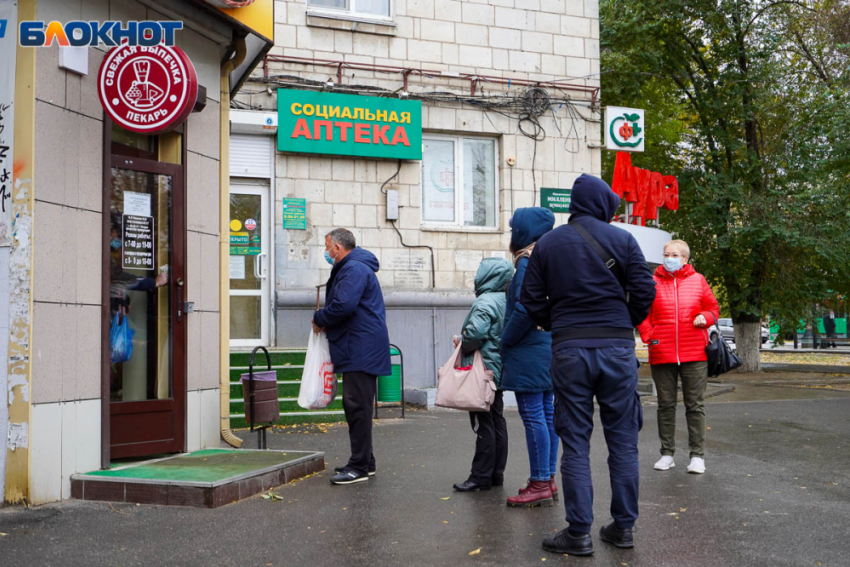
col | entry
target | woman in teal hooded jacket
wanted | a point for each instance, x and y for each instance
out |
(482, 330)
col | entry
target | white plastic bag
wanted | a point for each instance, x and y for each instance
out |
(318, 381)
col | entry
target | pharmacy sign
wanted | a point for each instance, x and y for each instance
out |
(624, 129)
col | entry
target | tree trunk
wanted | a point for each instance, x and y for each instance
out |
(748, 343)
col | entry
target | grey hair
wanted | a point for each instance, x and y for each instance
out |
(343, 237)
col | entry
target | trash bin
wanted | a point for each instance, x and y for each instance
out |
(389, 387)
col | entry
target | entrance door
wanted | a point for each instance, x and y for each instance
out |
(147, 342)
(250, 244)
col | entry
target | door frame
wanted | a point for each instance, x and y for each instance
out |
(177, 269)
(246, 186)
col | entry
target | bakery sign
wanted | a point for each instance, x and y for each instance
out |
(147, 90)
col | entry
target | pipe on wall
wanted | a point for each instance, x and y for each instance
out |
(224, 247)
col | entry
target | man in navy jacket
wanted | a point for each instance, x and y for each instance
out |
(569, 290)
(354, 319)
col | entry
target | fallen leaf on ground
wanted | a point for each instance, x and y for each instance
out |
(445, 522)
(475, 552)
(673, 514)
(683, 509)
(3, 535)
(446, 498)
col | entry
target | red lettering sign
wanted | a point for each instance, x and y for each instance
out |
(302, 129)
(648, 191)
(361, 134)
(147, 89)
(400, 136)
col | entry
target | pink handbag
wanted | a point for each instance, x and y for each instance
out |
(469, 389)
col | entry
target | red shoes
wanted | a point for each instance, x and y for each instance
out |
(537, 493)
(554, 489)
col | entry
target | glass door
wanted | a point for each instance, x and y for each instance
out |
(250, 286)
(146, 320)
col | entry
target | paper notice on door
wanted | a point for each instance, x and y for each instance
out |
(237, 267)
(138, 204)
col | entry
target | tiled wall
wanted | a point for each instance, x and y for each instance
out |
(542, 40)
(66, 383)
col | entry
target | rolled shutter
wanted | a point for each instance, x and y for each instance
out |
(250, 156)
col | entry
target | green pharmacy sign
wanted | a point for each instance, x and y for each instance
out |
(624, 129)
(556, 200)
(348, 125)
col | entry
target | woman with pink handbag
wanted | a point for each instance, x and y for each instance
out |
(480, 342)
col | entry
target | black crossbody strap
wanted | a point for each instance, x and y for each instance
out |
(609, 260)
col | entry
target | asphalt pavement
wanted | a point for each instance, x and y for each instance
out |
(777, 493)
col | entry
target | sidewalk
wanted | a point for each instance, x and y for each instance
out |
(777, 494)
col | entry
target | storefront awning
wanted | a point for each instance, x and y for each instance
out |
(253, 20)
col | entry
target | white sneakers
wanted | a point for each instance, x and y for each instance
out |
(665, 463)
(697, 465)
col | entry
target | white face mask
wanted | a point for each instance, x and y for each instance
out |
(672, 264)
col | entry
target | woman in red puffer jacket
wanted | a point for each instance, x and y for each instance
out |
(676, 331)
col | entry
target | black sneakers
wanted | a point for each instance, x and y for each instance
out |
(471, 485)
(372, 472)
(348, 476)
(564, 542)
(615, 536)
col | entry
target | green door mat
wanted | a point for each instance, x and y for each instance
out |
(206, 466)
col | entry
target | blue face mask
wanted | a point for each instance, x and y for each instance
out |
(672, 264)
(115, 244)
(328, 258)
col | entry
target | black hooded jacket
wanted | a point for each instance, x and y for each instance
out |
(568, 286)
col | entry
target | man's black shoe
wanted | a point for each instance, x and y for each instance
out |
(372, 472)
(470, 486)
(563, 542)
(348, 476)
(615, 536)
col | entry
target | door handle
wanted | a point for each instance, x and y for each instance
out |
(259, 270)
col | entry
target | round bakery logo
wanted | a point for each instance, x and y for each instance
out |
(147, 89)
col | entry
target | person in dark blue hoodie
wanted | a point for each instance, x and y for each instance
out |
(354, 319)
(591, 306)
(526, 359)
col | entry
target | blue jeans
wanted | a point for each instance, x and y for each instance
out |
(610, 375)
(537, 411)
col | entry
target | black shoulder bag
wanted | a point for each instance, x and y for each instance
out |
(721, 359)
(606, 257)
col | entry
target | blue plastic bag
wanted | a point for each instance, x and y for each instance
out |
(120, 340)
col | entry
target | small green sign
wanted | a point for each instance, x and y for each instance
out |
(245, 250)
(295, 214)
(556, 200)
(349, 125)
(239, 238)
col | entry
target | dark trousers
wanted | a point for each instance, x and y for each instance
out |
(358, 397)
(694, 379)
(610, 375)
(491, 446)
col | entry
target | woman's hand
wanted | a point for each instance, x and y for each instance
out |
(699, 321)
